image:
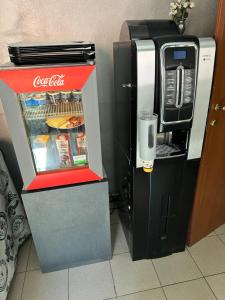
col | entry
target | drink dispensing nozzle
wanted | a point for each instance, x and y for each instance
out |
(147, 139)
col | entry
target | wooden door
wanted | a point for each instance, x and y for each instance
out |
(209, 203)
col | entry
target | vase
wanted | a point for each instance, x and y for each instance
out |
(181, 26)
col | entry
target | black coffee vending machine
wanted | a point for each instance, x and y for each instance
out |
(162, 91)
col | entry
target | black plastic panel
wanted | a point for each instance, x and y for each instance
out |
(171, 115)
(147, 29)
(26, 54)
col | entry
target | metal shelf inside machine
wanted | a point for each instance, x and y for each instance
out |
(53, 110)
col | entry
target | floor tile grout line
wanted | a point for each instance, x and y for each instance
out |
(21, 297)
(113, 278)
(211, 275)
(195, 262)
(120, 253)
(210, 288)
(20, 272)
(218, 235)
(68, 286)
(34, 270)
(189, 280)
(141, 291)
(158, 278)
(28, 257)
(29, 252)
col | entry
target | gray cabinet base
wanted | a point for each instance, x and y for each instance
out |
(70, 225)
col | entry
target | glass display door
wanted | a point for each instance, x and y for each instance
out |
(55, 126)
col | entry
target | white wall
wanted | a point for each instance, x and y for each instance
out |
(98, 21)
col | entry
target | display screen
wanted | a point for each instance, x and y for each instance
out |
(180, 54)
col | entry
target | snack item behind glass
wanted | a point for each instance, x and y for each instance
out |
(28, 101)
(39, 148)
(37, 127)
(40, 99)
(66, 122)
(25, 98)
(65, 96)
(76, 95)
(62, 144)
(54, 97)
(81, 143)
(41, 140)
(33, 100)
(81, 158)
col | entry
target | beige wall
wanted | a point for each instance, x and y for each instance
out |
(98, 21)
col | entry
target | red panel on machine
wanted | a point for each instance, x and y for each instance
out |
(60, 178)
(45, 79)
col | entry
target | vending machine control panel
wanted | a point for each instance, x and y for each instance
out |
(178, 64)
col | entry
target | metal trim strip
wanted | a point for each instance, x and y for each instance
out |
(145, 83)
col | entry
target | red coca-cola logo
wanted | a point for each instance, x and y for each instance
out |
(54, 80)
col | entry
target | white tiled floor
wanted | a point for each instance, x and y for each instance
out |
(217, 284)
(222, 237)
(119, 244)
(176, 268)
(196, 274)
(209, 254)
(130, 277)
(33, 263)
(190, 290)
(220, 230)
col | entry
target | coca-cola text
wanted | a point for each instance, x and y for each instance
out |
(54, 80)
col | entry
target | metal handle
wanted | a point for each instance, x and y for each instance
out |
(219, 107)
(126, 85)
(180, 92)
(213, 123)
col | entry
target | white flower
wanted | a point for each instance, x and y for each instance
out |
(173, 5)
(180, 7)
(172, 13)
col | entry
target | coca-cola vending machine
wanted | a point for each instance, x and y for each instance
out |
(53, 118)
(52, 114)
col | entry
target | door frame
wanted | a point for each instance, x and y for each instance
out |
(194, 235)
